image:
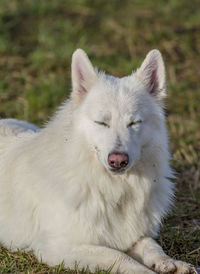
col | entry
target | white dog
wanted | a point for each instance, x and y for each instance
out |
(92, 187)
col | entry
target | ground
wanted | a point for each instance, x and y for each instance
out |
(37, 39)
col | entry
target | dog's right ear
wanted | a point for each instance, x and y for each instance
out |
(83, 75)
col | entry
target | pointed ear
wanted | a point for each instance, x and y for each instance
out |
(83, 74)
(152, 74)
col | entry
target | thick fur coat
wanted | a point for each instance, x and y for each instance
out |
(63, 199)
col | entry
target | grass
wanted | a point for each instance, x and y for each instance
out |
(37, 39)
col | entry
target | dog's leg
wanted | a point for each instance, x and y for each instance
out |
(148, 252)
(94, 257)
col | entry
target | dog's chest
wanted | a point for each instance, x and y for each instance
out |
(116, 219)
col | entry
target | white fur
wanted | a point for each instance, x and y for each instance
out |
(14, 127)
(58, 196)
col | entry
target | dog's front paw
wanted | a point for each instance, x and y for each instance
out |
(170, 266)
(164, 266)
(184, 268)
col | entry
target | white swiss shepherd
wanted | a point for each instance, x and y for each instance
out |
(91, 188)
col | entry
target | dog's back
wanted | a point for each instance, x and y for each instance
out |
(9, 127)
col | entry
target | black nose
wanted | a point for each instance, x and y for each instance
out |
(118, 160)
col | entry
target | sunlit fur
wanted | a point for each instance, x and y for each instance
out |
(57, 194)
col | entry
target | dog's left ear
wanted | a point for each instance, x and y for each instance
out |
(152, 74)
(83, 75)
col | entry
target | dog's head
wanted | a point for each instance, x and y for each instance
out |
(118, 117)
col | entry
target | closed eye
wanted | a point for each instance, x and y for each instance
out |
(102, 123)
(133, 123)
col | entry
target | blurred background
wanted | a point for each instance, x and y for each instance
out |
(37, 39)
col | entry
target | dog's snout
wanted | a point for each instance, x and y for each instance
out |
(118, 160)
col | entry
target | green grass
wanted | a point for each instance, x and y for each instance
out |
(37, 39)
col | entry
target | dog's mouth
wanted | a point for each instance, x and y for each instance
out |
(117, 171)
